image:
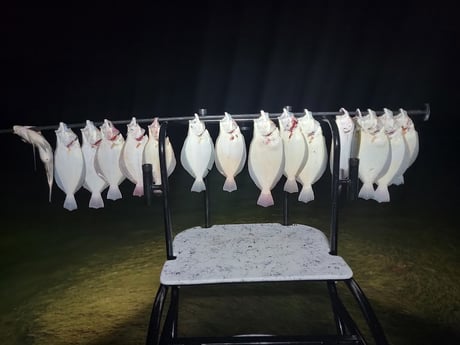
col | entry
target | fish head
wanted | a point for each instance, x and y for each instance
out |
(154, 129)
(387, 121)
(403, 120)
(91, 134)
(308, 124)
(22, 131)
(227, 124)
(196, 126)
(263, 125)
(369, 121)
(135, 131)
(109, 131)
(345, 121)
(65, 136)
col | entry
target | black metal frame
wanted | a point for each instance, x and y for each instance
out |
(347, 331)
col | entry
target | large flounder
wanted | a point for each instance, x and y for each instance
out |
(230, 151)
(69, 165)
(45, 151)
(197, 154)
(107, 161)
(131, 156)
(412, 141)
(399, 155)
(346, 128)
(152, 153)
(91, 139)
(374, 153)
(266, 158)
(317, 156)
(295, 149)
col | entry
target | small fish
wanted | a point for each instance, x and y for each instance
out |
(36, 139)
(346, 133)
(152, 153)
(230, 151)
(295, 149)
(69, 167)
(317, 156)
(107, 159)
(411, 140)
(399, 155)
(197, 154)
(131, 156)
(91, 139)
(266, 158)
(374, 153)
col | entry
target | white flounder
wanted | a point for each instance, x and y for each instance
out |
(152, 153)
(197, 154)
(132, 155)
(346, 128)
(91, 139)
(295, 149)
(266, 158)
(317, 156)
(107, 161)
(230, 151)
(69, 165)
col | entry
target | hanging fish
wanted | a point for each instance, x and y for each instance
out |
(152, 153)
(230, 151)
(346, 133)
(69, 165)
(91, 139)
(107, 159)
(197, 154)
(36, 139)
(295, 149)
(374, 153)
(412, 142)
(317, 156)
(131, 156)
(399, 155)
(266, 158)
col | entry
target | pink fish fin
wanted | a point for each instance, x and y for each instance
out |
(139, 189)
(230, 184)
(265, 199)
(70, 203)
(96, 200)
(366, 192)
(306, 194)
(381, 193)
(398, 180)
(198, 185)
(291, 186)
(114, 193)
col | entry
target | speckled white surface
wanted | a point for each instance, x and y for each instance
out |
(234, 253)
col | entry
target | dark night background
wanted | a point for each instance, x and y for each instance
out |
(72, 63)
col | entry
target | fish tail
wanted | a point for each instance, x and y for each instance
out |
(96, 200)
(114, 193)
(139, 189)
(366, 192)
(198, 186)
(70, 203)
(265, 199)
(398, 180)
(306, 194)
(381, 193)
(230, 184)
(291, 186)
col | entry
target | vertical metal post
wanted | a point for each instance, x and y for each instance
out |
(148, 181)
(207, 223)
(353, 179)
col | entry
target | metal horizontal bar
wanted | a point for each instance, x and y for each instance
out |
(215, 118)
(268, 339)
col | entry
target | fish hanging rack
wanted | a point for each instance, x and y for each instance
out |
(214, 118)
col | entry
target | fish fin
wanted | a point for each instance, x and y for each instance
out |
(198, 186)
(398, 180)
(139, 190)
(366, 192)
(306, 194)
(265, 199)
(35, 158)
(70, 203)
(291, 186)
(230, 184)
(96, 200)
(114, 193)
(381, 193)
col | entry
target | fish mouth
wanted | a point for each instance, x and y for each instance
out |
(97, 142)
(114, 137)
(71, 143)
